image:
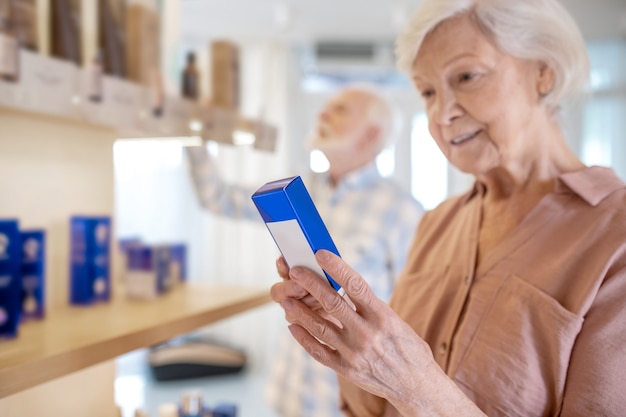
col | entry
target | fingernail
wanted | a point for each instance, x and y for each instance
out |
(323, 255)
(296, 272)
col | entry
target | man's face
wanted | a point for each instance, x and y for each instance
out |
(341, 123)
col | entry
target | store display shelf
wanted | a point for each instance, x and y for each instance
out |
(73, 338)
(53, 87)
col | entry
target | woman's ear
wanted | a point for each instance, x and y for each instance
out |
(545, 79)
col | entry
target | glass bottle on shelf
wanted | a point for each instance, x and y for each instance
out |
(190, 81)
(94, 83)
(9, 45)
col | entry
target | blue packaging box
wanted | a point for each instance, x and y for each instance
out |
(148, 273)
(90, 279)
(10, 274)
(224, 410)
(294, 223)
(33, 274)
(178, 262)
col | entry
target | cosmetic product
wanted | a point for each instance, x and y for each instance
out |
(10, 283)
(178, 262)
(157, 94)
(110, 38)
(225, 74)
(65, 30)
(90, 259)
(94, 84)
(9, 45)
(295, 224)
(190, 79)
(225, 410)
(26, 23)
(148, 271)
(168, 410)
(143, 46)
(33, 274)
(191, 404)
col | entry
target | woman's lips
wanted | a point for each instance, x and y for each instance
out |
(464, 138)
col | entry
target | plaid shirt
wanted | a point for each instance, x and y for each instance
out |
(372, 222)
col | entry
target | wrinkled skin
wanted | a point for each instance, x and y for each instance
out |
(395, 363)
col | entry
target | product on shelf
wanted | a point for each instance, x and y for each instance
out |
(9, 45)
(94, 81)
(26, 23)
(10, 283)
(148, 271)
(191, 404)
(225, 74)
(112, 37)
(33, 274)
(143, 34)
(90, 279)
(168, 410)
(65, 30)
(190, 79)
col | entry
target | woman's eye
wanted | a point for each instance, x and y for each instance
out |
(467, 76)
(427, 93)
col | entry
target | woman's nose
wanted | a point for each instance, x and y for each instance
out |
(447, 108)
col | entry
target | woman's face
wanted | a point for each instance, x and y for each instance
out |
(482, 104)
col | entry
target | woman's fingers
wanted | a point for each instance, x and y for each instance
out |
(288, 289)
(282, 268)
(319, 351)
(330, 301)
(321, 329)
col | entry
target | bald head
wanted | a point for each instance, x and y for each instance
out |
(353, 128)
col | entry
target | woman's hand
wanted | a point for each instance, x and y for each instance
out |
(366, 343)
(375, 349)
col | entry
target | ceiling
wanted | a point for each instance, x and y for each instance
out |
(309, 20)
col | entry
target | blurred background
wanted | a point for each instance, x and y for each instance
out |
(106, 93)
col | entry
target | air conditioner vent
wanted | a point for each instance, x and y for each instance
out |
(351, 51)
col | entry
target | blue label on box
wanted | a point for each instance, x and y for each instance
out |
(10, 273)
(33, 274)
(90, 259)
(178, 265)
(294, 222)
(153, 259)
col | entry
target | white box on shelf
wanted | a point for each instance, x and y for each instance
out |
(48, 85)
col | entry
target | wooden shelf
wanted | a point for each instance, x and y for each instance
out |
(53, 87)
(74, 338)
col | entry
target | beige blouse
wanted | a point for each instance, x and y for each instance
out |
(539, 329)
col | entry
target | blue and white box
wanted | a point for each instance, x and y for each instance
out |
(10, 282)
(295, 224)
(148, 272)
(178, 262)
(33, 274)
(90, 279)
(224, 410)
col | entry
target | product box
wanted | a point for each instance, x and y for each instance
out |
(90, 279)
(295, 224)
(143, 46)
(224, 410)
(178, 262)
(148, 273)
(10, 283)
(225, 84)
(33, 274)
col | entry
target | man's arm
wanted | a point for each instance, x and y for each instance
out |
(213, 193)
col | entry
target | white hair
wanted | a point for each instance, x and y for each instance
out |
(380, 113)
(539, 30)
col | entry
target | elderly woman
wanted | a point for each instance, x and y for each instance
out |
(512, 302)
